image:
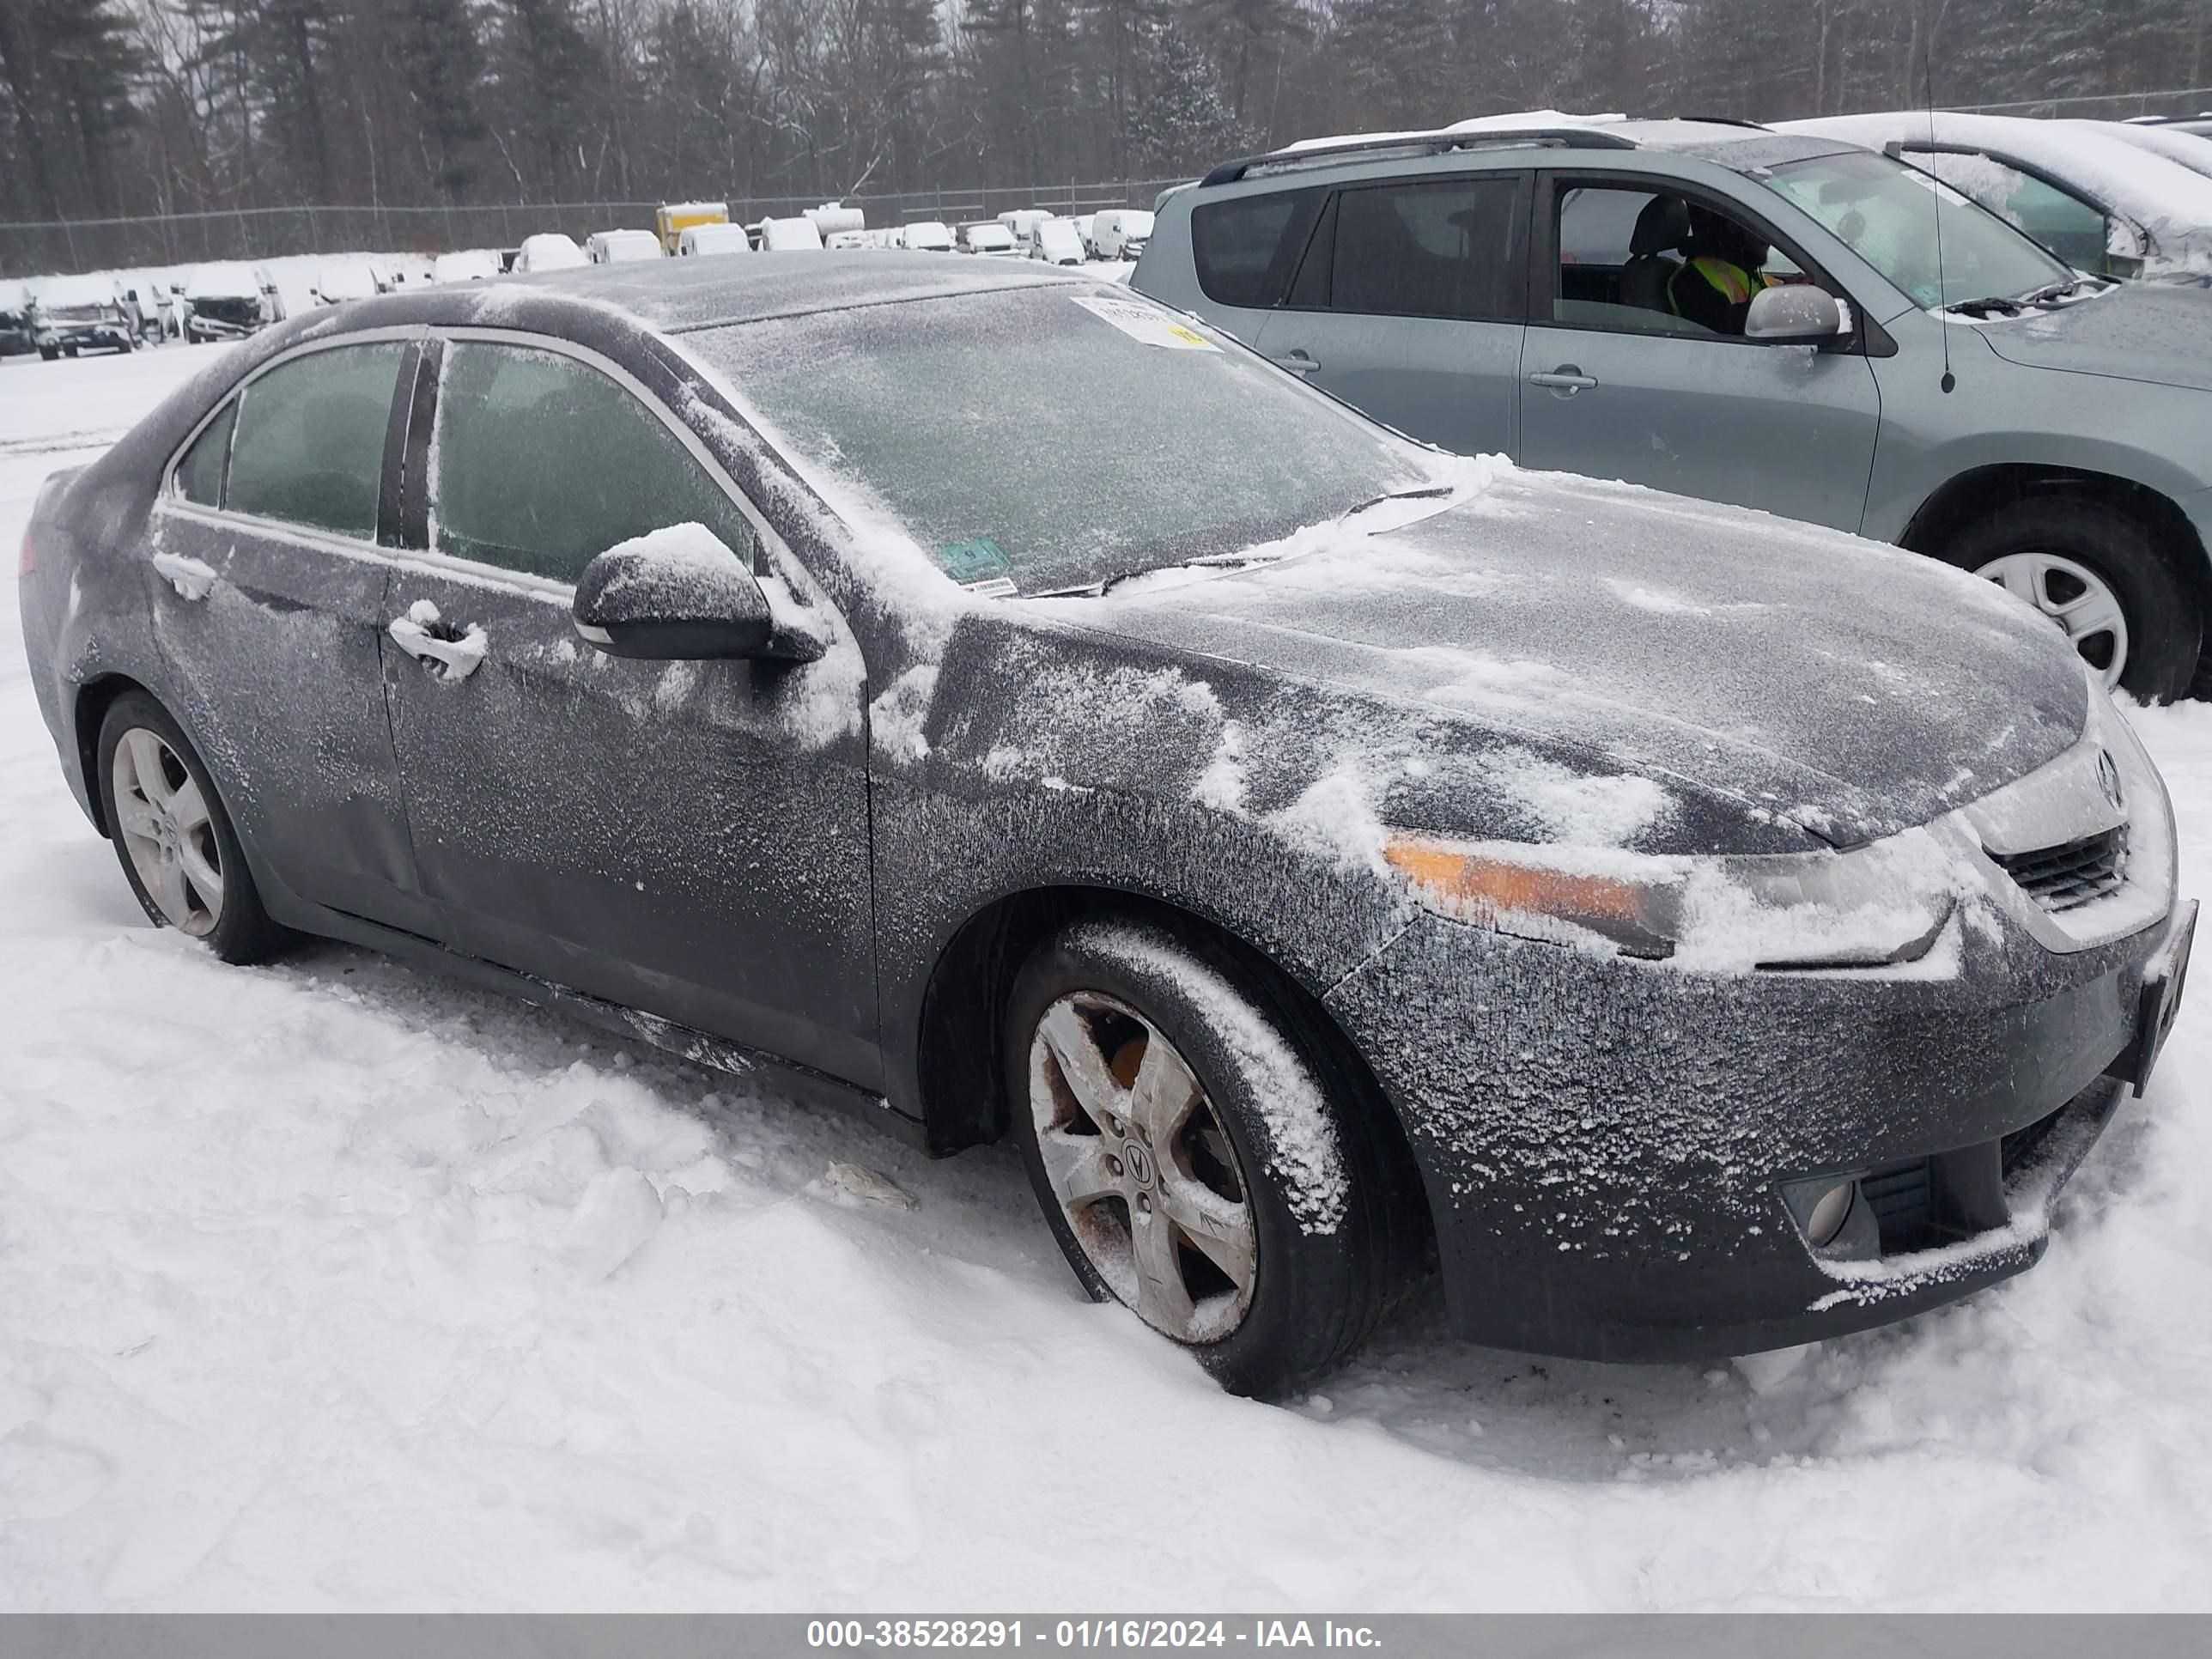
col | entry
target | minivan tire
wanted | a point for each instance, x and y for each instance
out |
(1330, 1228)
(2165, 621)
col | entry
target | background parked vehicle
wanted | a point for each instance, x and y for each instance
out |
(229, 302)
(835, 219)
(2176, 145)
(70, 314)
(2100, 203)
(990, 239)
(673, 219)
(16, 334)
(925, 236)
(1021, 222)
(1985, 405)
(616, 247)
(788, 235)
(475, 264)
(1085, 223)
(549, 249)
(1121, 233)
(719, 238)
(339, 280)
(1057, 242)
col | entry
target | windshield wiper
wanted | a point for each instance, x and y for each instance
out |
(1983, 306)
(2043, 296)
(1425, 493)
(1091, 590)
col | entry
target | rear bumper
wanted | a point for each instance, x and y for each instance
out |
(1604, 1142)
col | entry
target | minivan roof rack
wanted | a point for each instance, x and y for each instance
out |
(1419, 143)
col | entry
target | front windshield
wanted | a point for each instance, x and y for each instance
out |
(1886, 212)
(1054, 436)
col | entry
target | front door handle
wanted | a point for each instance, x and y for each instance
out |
(1566, 380)
(1300, 362)
(448, 652)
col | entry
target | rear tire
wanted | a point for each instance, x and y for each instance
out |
(172, 835)
(1111, 1024)
(2055, 550)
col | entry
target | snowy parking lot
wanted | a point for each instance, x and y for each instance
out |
(328, 1286)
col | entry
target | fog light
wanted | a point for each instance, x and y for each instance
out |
(1822, 1208)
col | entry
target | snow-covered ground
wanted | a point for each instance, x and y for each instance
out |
(330, 1285)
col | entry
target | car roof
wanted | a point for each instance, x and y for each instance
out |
(676, 296)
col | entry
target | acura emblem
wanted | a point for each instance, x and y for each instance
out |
(2108, 776)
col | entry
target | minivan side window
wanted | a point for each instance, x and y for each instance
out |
(1244, 246)
(541, 463)
(309, 448)
(199, 475)
(1443, 248)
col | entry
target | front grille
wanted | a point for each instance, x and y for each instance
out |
(2067, 876)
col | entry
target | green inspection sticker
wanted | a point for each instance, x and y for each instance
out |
(971, 562)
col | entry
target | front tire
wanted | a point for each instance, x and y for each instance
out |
(2097, 573)
(173, 837)
(1198, 1155)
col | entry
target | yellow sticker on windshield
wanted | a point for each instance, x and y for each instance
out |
(1147, 324)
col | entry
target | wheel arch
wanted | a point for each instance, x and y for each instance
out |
(960, 1086)
(95, 697)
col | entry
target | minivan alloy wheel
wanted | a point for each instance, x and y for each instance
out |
(162, 816)
(2075, 596)
(1144, 1172)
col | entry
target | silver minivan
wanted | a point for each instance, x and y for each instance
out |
(1774, 320)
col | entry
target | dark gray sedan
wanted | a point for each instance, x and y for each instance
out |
(981, 697)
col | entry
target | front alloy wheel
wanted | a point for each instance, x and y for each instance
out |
(2075, 596)
(1144, 1172)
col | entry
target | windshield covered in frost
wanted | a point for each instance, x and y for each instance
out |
(1054, 436)
(1886, 212)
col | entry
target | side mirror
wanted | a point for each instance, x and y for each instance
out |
(679, 594)
(2127, 245)
(1795, 314)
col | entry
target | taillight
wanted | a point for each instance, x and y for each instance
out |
(29, 560)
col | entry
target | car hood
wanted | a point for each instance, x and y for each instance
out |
(1816, 679)
(2156, 331)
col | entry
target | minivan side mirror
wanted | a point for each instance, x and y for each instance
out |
(1796, 314)
(680, 595)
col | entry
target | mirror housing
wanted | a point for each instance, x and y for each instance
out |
(1796, 314)
(680, 595)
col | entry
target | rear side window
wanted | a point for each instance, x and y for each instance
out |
(541, 463)
(199, 475)
(309, 448)
(1444, 248)
(1244, 248)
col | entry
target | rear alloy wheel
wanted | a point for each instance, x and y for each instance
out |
(173, 836)
(1201, 1155)
(2097, 574)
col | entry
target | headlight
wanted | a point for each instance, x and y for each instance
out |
(1882, 905)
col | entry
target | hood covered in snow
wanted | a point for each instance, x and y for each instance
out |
(1816, 679)
(2160, 332)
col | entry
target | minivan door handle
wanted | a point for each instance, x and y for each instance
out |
(1300, 362)
(1566, 380)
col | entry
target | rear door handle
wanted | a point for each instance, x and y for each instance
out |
(1566, 378)
(1300, 362)
(448, 655)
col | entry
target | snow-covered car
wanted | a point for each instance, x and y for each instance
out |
(990, 239)
(1085, 224)
(337, 281)
(70, 314)
(16, 330)
(1021, 221)
(1341, 854)
(2100, 203)
(1121, 233)
(548, 250)
(228, 302)
(473, 265)
(2176, 145)
(925, 236)
(616, 247)
(789, 236)
(1057, 242)
(837, 239)
(713, 238)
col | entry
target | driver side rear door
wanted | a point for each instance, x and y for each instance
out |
(689, 839)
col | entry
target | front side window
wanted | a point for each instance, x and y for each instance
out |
(199, 475)
(1653, 262)
(541, 463)
(1886, 212)
(309, 447)
(1445, 248)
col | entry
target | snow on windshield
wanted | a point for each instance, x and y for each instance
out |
(1054, 437)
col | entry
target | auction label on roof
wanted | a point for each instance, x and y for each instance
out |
(1146, 324)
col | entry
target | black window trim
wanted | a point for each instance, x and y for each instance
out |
(429, 388)
(1521, 178)
(172, 499)
(1867, 338)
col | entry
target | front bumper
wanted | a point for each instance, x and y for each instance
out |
(1604, 1141)
(97, 336)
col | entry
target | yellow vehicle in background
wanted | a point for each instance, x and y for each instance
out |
(675, 218)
